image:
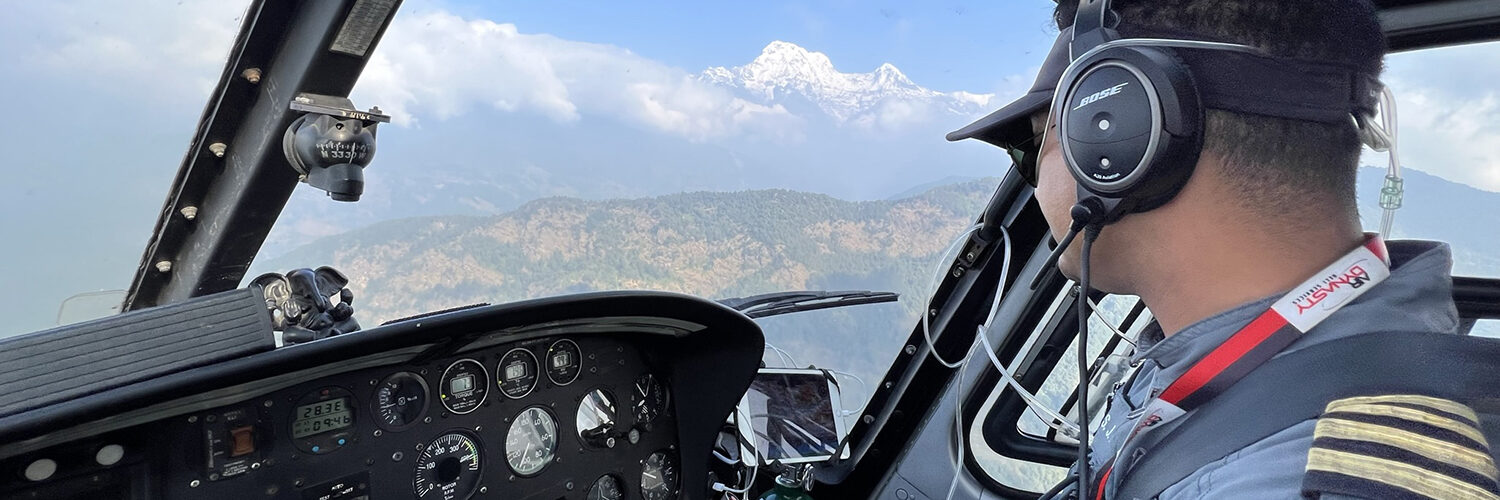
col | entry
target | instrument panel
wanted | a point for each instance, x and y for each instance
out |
(580, 397)
(438, 431)
(482, 424)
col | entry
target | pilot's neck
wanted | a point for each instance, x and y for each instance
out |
(1208, 265)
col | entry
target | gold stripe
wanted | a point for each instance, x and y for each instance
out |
(1433, 448)
(1399, 474)
(1461, 428)
(1428, 401)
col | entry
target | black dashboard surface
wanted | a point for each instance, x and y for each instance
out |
(607, 395)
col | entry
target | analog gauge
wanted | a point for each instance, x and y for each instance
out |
(607, 487)
(596, 418)
(448, 468)
(649, 399)
(464, 386)
(518, 373)
(400, 401)
(659, 477)
(531, 442)
(564, 362)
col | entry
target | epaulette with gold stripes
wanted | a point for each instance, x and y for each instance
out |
(1400, 446)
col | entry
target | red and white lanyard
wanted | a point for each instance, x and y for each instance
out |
(1288, 318)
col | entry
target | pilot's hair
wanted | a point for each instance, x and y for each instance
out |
(1281, 166)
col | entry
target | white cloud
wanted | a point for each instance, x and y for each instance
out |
(161, 48)
(431, 64)
(436, 64)
(1448, 112)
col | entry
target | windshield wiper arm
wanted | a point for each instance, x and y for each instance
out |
(772, 304)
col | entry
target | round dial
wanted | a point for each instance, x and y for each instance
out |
(659, 477)
(400, 401)
(564, 362)
(596, 418)
(518, 373)
(649, 399)
(607, 487)
(448, 468)
(531, 442)
(464, 385)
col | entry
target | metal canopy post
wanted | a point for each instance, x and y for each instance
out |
(235, 179)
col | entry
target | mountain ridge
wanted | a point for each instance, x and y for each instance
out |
(786, 69)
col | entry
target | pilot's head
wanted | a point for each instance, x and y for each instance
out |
(1273, 175)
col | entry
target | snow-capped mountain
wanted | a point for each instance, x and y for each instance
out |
(785, 69)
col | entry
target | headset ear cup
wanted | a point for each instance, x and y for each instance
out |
(1130, 124)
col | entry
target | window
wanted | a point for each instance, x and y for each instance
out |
(1486, 328)
(1058, 391)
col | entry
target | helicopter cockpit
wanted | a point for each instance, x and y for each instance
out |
(453, 251)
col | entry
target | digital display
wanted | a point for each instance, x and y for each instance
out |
(792, 416)
(515, 371)
(461, 384)
(561, 359)
(321, 417)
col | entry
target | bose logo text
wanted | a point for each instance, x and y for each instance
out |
(1101, 95)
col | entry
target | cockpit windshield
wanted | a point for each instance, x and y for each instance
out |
(537, 149)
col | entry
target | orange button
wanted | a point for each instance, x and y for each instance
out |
(244, 441)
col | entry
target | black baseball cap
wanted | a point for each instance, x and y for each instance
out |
(1012, 123)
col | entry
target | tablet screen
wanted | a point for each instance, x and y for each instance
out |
(792, 416)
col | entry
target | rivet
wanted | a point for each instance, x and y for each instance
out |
(189, 212)
(251, 75)
(910, 349)
(377, 432)
(397, 456)
(194, 483)
(193, 419)
(217, 149)
(254, 465)
(267, 404)
(164, 266)
(484, 489)
(868, 419)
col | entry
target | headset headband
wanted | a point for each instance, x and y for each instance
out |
(1089, 29)
(1237, 77)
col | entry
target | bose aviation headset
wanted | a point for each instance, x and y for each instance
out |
(1130, 111)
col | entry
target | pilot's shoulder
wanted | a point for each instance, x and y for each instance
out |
(1400, 446)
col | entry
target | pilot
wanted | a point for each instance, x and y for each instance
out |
(1269, 205)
